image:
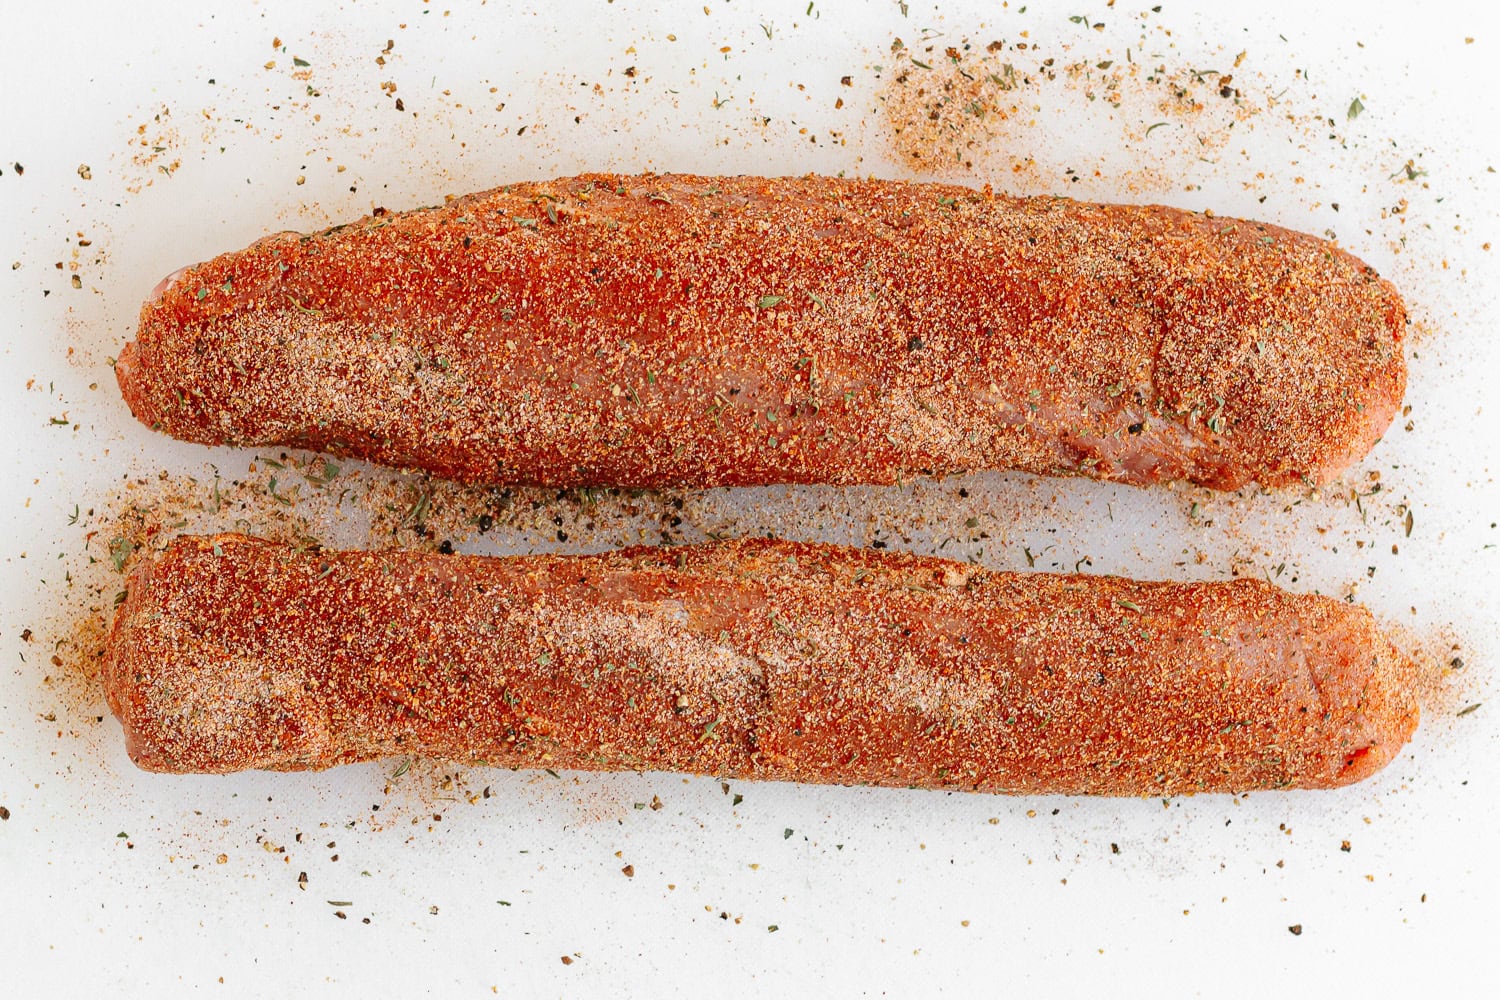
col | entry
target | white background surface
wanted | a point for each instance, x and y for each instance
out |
(873, 892)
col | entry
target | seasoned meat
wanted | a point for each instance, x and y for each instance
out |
(655, 331)
(757, 659)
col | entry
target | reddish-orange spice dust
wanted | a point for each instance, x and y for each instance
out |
(654, 331)
(758, 659)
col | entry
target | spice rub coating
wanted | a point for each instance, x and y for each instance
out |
(659, 331)
(758, 659)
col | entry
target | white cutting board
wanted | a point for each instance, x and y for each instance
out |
(111, 879)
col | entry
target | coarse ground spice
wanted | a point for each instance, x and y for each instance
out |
(956, 109)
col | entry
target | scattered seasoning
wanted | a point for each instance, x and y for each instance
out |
(628, 871)
(786, 834)
(1469, 709)
(1355, 108)
(772, 929)
(1296, 930)
(337, 902)
(566, 960)
(4, 813)
(768, 301)
(120, 551)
